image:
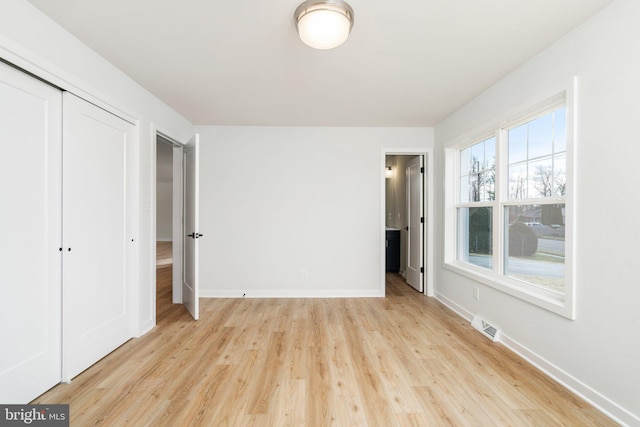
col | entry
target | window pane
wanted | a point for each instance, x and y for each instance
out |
(559, 175)
(477, 157)
(477, 177)
(535, 245)
(465, 161)
(490, 154)
(541, 137)
(464, 189)
(541, 178)
(474, 188)
(532, 157)
(517, 144)
(487, 185)
(475, 244)
(560, 130)
(517, 181)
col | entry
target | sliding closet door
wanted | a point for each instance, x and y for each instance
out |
(98, 155)
(30, 220)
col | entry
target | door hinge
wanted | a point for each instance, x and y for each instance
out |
(421, 269)
(421, 220)
(421, 169)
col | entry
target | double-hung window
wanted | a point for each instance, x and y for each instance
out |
(510, 217)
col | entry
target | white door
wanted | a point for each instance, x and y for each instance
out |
(190, 286)
(415, 221)
(98, 216)
(30, 219)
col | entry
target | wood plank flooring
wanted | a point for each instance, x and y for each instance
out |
(164, 254)
(403, 360)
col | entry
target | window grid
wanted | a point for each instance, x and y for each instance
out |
(477, 171)
(550, 180)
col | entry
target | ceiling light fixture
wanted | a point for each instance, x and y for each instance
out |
(324, 24)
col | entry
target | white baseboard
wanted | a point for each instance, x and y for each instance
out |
(144, 328)
(164, 239)
(205, 293)
(599, 401)
(593, 397)
(460, 311)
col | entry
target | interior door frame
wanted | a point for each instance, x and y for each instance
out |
(176, 213)
(428, 238)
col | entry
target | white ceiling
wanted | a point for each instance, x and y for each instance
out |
(406, 63)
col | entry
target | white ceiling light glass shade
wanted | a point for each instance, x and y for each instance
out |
(324, 24)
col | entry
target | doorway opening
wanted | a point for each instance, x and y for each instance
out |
(407, 218)
(164, 226)
(168, 224)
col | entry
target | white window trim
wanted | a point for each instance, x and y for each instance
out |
(562, 304)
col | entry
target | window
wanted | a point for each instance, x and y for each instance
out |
(510, 211)
(534, 232)
(475, 212)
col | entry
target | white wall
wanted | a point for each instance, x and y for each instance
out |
(34, 42)
(164, 191)
(275, 201)
(598, 354)
(164, 209)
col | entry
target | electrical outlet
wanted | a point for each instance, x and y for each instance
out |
(476, 293)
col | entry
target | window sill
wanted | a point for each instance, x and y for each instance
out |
(549, 301)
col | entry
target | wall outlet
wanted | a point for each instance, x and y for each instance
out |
(476, 293)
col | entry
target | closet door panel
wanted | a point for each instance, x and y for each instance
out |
(96, 294)
(30, 229)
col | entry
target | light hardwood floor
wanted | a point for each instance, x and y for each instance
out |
(163, 253)
(403, 360)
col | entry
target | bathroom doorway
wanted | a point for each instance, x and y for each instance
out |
(407, 218)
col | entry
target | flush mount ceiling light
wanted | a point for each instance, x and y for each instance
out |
(324, 24)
